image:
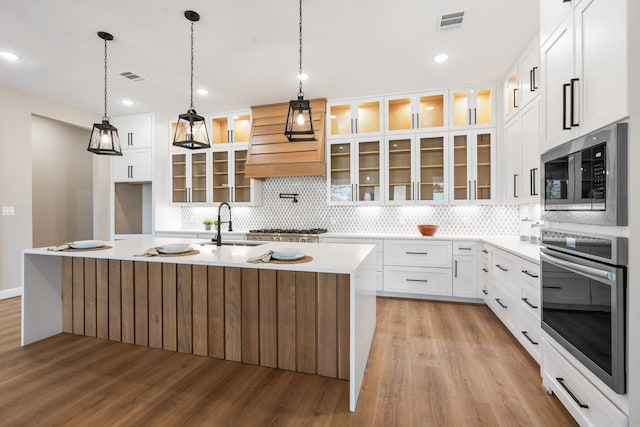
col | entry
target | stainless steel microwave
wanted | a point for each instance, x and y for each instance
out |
(585, 180)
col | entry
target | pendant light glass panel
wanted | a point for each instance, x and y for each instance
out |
(299, 126)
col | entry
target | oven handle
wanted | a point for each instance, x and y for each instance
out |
(582, 270)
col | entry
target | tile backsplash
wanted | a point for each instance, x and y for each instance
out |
(312, 211)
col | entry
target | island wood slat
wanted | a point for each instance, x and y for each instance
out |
(290, 320)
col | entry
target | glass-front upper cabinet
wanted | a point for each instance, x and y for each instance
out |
(220, 176)
(357, 117)
(232, 127)
(354, 169)
(416, 170)
(473, 166)
(228, 181)
(241, 184)
(419, 112)
(189, 177)
(473, 107)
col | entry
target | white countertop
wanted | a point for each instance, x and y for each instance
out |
(517, 247)
(327, 257)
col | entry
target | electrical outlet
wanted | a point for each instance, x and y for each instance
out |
(8, 211)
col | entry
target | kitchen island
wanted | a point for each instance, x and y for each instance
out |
(316, 317)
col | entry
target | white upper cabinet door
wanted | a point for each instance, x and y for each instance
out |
(601, 63)
(416, 112)
(472, 107)
(557, 66)
(552, 14)
(513, 160)
(357, 117)
(134, 131)
(530, 73)
(531, 130)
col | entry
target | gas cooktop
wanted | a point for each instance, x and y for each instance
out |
(290, 230)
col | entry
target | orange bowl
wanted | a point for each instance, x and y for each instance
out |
(427, 229)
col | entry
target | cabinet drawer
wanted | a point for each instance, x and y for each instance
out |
(378, 242)
(574, 390)
(529, 334)
(529, 274)
(417, 253)
(504, 269)
(530, 302)
(484, 283)
(465, 248)
(504, 306)
(428, 281)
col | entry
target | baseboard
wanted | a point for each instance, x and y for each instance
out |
(10, 293)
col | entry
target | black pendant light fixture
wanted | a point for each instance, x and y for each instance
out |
(191, 129)
(299, 127)
(104, 137)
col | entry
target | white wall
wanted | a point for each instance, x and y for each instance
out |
(16, 110)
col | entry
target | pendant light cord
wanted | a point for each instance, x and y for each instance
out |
(105, 80)
(300, 93)
(191, 107)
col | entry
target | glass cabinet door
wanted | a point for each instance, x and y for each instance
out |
(340, 119)
(198, 178)
(399, 169)
(369, 171)
(461, 109)
(179, 178)
(400, 114)
(432, 168)
(482, 112)
(220, 176)
(340, 173)
(431, 112)
(220, 130)
(368, 117)
(472, 107)
(242, 184)
(483, 165)
(241, 128)
(461, 181)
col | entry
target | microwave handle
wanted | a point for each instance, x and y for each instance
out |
(583, 270)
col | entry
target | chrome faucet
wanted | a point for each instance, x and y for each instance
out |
(219, 235)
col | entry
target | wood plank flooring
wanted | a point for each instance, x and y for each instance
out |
(432, 364)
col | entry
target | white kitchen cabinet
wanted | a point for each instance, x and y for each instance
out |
(465, 270)
(418, 280)
(416, 112)
(189, 177)
(503, 304)
(472, 166)
(416, 168)
(135, 131)
(552, 14)
(522, 155)
(584, 64)
(529, 73)
(365, 241)
(233, 127)
(356, 117)
(132, 166)
(511, 92)
(354, 169)
(472, 108)
(483, 273)
(418, 253)
(228, 181)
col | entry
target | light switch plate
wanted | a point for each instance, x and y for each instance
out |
(8, 211)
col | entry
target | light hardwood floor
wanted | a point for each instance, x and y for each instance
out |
(432, 364)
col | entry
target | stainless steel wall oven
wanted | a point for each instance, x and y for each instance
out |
(583, 280)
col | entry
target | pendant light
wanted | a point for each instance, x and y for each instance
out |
(299, 126)
(191, 130)
(104, 137)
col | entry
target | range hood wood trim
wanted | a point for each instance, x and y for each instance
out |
(270, 154)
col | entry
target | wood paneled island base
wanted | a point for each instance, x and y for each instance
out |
(292, 320)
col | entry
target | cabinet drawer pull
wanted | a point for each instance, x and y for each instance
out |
(572, 84)
(526, 301)
(535, 182)
(484, 251)
(417, 253)
(535, 276)
(501, 267)
(500, 303)
(475, 116)
(485, 270)
(464, 248)
(469, 116)
(515, 98)
(573, 396)
(526, 335)
(515, 185)
(417, 280)
(531, 84)
(564, 106)
(552, 287)
(484, 291)
(455, 268)
(535, 83)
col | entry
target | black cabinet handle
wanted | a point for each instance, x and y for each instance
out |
(564, 106)
(526, 335)
(501, 267)
(475, 116)
(485, 270)
(455, 268)
(526, 301)
(485, 251)
(475, 190)
(515, 184)
(469, 122)
(131, 171)
(572, 84)
(501, 304)
(417, 120)
(484, 291)
(417, 253)
(515, 95)
(535, 83)
(417, 280)
(535, 276)
(535, 181)
(464, 248)
(552, 287)
(573, 396)
(531, 89)
(532, 182)
(413, 121)
(232, 136)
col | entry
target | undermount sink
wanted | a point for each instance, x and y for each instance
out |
(235, 243)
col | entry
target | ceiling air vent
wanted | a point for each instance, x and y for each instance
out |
(132, 76)
(450, 21)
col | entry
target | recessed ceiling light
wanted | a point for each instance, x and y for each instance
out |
(9, 56)
(302, 76)
(441, 57)
(127, 102)
(202, 92)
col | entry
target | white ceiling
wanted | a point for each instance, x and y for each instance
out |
(246, 51)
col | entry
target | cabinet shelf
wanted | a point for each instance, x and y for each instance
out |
(431, 166)
(340, 170)
(369, 169)
(484, 145)
(340, 154)
(432, 149)
(179, 190)
(484, 164)
(369, 185)
(199, 162)
(393, 184)
(199, 189)
(220, 187)
(400, 150)
(242, 186)
(199, 176)
(221, 173)
(432, 183)
(393, 168)
(457, 187)
(369, 153)
(220, 161)
(179, 163)
(179, 176)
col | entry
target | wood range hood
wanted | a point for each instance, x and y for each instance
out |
(270, 152)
